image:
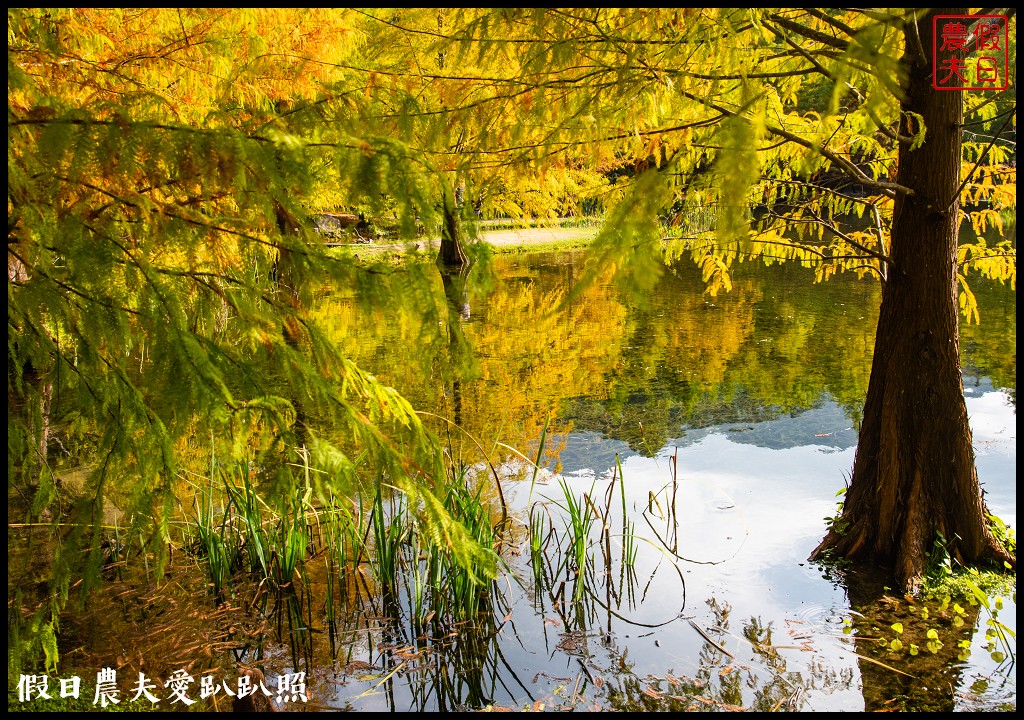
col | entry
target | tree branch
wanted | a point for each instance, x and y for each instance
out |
(803, 53)
(887, 188)
(810, 34)
(974, 169)
(881, 257)
(834, 22)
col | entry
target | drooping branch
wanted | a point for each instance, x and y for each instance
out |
(834, 22)
(802, 52)
(809, 33)
(890, 189)
(881, 257)
(984, 154)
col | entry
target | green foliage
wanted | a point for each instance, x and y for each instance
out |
(997, 635)
(946, 577)
(947, 581)
(1005, 534)
(836, 523)
(938, 616)
(161, 280)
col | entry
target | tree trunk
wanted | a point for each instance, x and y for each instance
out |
(914, 479)
(452, 253)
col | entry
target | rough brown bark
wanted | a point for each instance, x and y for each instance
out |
(452, 253)
(914, 478)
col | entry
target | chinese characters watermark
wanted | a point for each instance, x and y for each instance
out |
(970, 52)
(291, 688)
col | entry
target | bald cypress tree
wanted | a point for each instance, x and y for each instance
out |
(813, 136)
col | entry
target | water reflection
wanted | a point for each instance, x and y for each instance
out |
(721, 428)
(777, 346)
(691, 448)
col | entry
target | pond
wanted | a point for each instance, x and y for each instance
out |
(690, 450)
(731, 421)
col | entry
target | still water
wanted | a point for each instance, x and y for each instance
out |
(711, 436)
(690, 448)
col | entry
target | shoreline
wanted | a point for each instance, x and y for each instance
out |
(509, 241)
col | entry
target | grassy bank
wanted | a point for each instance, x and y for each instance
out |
(505, 241)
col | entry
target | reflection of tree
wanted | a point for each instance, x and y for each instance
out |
(460, 351)
(722, 683)
(515, 359)
(775, 344)
(924, 682)
(990, 349)
(444, 667)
